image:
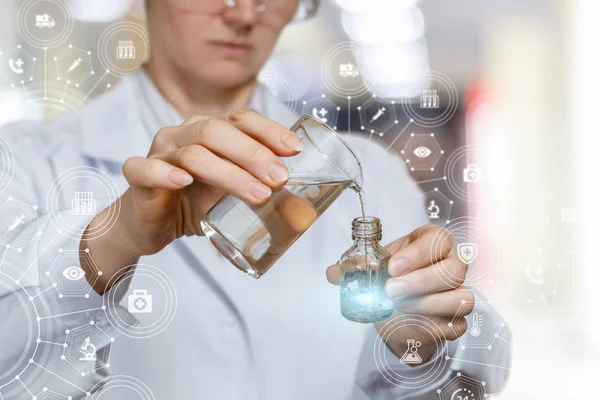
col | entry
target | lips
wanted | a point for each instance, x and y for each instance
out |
(234, 47)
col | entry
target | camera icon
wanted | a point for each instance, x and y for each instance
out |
(140, 302)
(472, 173)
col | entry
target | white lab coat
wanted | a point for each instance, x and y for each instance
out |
(232, 337)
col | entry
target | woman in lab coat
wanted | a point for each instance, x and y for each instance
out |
(172, 139)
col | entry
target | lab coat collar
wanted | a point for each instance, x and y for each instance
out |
(123, 122)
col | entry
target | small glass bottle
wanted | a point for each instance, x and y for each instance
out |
(364, 273)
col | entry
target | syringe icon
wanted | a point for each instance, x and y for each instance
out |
(18, 221)
(378, 114)
(76, 63)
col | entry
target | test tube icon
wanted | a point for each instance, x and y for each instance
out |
(83, 203)
(125, 50)
(430, 99)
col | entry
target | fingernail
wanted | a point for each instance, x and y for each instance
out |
(292, 141)
(397, 266)
(180, 178)
(259, 190)
(396, 288)
(278, 172)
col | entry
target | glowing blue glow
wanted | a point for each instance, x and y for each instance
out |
(365, 298)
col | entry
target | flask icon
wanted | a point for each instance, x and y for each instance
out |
(411, 355)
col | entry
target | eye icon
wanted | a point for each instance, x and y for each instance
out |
(422, 152)
(73, 273)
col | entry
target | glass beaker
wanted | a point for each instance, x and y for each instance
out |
(253, 237)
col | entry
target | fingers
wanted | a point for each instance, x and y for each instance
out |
(334, 274)
(155, 174)
(206, 167)
(275, 136)
(449, 304)
(423, 247)
(428, 280)
(227, 141)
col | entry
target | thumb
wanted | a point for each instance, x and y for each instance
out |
(334, 274)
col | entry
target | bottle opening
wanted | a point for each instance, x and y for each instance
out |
(366, 228)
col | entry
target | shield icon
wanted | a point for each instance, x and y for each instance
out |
(467, 252)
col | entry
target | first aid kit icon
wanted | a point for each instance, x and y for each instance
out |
(140, 302)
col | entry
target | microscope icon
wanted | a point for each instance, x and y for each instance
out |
(433, 210)
(88, 350)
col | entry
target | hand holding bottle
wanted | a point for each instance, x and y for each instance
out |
(416, 287)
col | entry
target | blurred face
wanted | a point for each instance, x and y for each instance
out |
(224, 42)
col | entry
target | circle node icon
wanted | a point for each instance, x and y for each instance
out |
(151, 298)
(404, 378)
(436, 106)
(474, 246)
(123, 47)
(121, 387)
(79, 188)
(463, 173)
(45, 23)
(561, 216)
(340, 71)
(7, 164)
(281, 86)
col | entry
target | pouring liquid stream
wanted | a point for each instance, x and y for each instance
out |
(361, 199)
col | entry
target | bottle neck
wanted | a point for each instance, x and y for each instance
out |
(366, 242)
(366, 230)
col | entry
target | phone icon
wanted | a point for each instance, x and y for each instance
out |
(535, 275)
(16, 66)
(320, 114)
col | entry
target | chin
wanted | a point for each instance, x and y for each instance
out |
(229, 74)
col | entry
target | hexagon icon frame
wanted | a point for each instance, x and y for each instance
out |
(493, 334)
(445, 394)
(98, 362)
(85, 59)
(542, 273)
(47, 394)
(445, 216)
(335, 110)
(88, 283)
(32, 226)
(16, 67)
(411, 157)
(366, 124)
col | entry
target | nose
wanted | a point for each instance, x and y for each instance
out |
(242, 14)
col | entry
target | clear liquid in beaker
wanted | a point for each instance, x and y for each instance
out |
(254, 237)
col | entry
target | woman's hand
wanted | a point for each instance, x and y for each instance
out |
(188, 169)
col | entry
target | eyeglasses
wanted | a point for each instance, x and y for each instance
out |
(219, 6)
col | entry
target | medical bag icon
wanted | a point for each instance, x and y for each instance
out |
(140, 302)
(472, 173)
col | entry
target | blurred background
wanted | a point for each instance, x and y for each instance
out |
(501, 93)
